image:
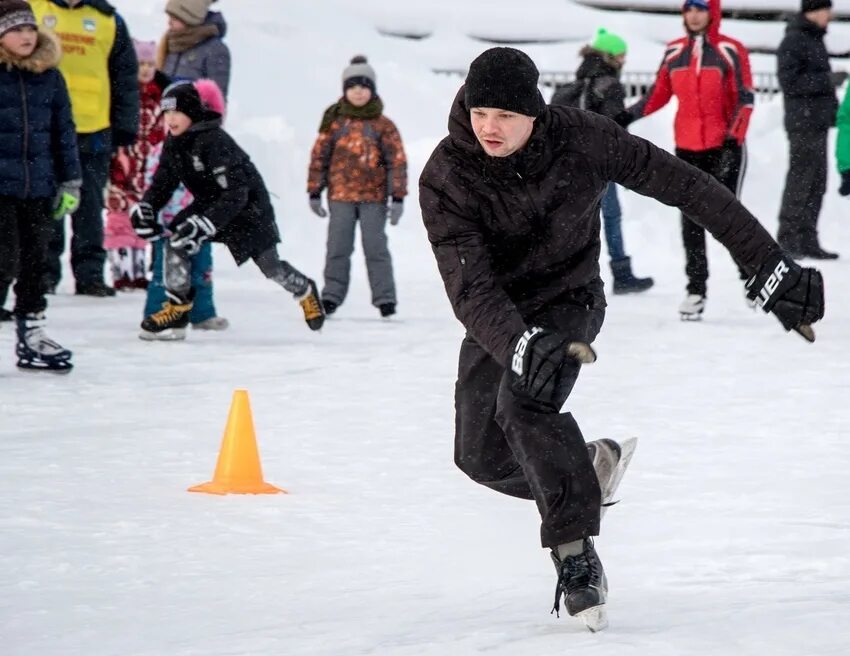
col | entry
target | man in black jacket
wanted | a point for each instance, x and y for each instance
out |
(510, 199)
(230, 205)
(808, 88)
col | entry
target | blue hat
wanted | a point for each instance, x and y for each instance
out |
(699, 4)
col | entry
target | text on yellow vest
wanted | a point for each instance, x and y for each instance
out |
(87, 37)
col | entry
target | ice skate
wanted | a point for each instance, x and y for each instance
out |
(167, 325)
(314, 313)
(36, 351)
(582, 584)
(692, 307)
(610, 461)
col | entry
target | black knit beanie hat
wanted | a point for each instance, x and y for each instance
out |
(504, 78)
(814, 5)
(184, 97)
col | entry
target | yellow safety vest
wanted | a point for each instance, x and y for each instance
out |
(87, 37)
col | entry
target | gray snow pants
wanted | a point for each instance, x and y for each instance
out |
(379, 264)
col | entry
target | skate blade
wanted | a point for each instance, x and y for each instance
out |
(594, 618)
(627, 450)
(60, 369)
(170, 335)
(687, 316)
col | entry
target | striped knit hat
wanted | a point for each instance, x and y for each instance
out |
(15, 14)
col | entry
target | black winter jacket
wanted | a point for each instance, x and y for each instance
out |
(804, 75)
(38, 142)
(513, 235)
(226, 186)
(598, 88)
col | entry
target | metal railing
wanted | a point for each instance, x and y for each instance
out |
(637, 83)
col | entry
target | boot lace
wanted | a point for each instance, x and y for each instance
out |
(169, 313)
(310, 305)
(574, 573)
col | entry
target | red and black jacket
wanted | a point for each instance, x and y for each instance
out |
(710, 76)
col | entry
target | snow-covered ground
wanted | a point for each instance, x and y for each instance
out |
(734, 530)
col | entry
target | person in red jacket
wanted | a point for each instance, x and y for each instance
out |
(709, 74)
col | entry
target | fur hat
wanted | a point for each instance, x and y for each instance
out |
(191, 12)
(184, 97)
(504, 78)
(359, 72)
(145, 51)
(15, 14)
(814, 5)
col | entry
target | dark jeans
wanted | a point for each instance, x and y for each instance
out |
(87, 252)
(25, 227)
(517, 448)
(612, 217)
(805, 186)
(693, 235)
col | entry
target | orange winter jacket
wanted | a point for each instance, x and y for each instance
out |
(359, 161)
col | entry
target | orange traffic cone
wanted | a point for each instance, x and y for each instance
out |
(238, 470)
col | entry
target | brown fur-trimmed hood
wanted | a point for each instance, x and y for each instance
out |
(47, 54)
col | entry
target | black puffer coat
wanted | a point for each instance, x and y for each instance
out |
(514, 234)
(38, 141)
(804, 75)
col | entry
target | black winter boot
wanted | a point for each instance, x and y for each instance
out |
(624, 280)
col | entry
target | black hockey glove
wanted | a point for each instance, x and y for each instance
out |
(191, 234)
(545, 365)
(793, 294)
(144, 222)
(844, 189)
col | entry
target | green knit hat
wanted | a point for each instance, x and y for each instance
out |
(608, 43)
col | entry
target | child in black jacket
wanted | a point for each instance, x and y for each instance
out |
(40, 175)
(231, 205)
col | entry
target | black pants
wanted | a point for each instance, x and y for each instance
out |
(25, 227)
(87, 252)
(693, 235)
(517, 448)
(805, 186)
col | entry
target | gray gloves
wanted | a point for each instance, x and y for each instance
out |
(395, 210)
(316, 206)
